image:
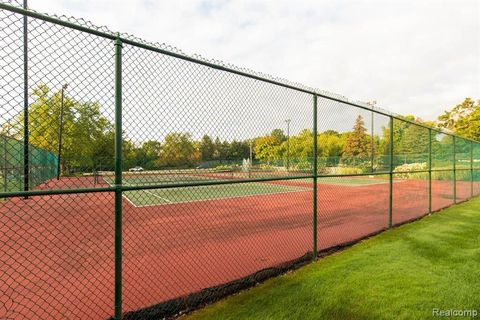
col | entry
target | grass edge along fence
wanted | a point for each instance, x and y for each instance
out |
(118, 187)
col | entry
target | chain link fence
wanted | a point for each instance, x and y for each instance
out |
(158, 182)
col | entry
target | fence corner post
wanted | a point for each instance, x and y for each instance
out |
(471, 169)
(390, 203)
(454, 170)
(118, 180)
(315, 176)
(429, 171)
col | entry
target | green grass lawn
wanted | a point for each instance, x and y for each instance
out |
(400, 274)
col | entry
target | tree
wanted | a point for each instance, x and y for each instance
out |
(358, 142)
(415, 141)
(330, 146)
(87, 138)
(463, 119)
(266, 149)
(300, 147)
(220, 152)
(207, 148)
(278, 135)
(178, 150)
(149, 154)
(239, 150)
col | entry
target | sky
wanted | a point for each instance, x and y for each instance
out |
(412, 57)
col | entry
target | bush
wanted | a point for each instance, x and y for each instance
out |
(411, 167)
(350, 170)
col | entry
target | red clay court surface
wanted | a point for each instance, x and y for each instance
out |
(58, 257)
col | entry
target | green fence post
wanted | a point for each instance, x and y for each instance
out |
(372, 156)
(26, 152)
(315, 176)
(471, 169)
(390, 205)
(5, 162)
(454, 171)
(429, 170)
(118, 179)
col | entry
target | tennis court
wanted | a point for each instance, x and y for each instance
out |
(140, 198)
(154, 197)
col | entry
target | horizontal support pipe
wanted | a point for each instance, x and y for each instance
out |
(113, 36)
(51, 192)
(210, 183)
(48, 192)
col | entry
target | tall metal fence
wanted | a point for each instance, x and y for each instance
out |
(181, 179)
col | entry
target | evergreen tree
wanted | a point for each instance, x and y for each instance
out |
(358, 142)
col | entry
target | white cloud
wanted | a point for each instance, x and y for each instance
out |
(417, 57)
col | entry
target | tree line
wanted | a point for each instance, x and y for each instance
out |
(88, 140)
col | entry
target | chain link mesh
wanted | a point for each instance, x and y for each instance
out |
(217, 179)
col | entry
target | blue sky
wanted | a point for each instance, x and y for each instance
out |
(413, 57)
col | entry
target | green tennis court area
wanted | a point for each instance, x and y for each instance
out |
(347, 181)
(152, 197)
(351, 181)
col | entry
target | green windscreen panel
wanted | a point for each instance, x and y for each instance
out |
(43, 165)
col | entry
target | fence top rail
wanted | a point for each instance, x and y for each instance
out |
(88, 27)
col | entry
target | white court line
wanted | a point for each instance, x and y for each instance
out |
(130, 201)
(123, 194)
(298, 189)
(223, 198)
(156, 195)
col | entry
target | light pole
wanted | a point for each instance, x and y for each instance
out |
(288, 142)
(60, 130)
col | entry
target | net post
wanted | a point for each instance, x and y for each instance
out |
(429, 171)
(26, 161)
(454, 171)
(390, 202)
(315, 175)
(118, 180)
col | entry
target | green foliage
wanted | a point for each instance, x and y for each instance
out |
(266, 149)
(300, 147)
(178, 150)
(463, 119)
(350, 170)
(207, 148)
(330, 146)
(278, 135)
(357, 143)
(415, 140)
(87, 139)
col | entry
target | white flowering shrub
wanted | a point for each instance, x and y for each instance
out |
(408, 167)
